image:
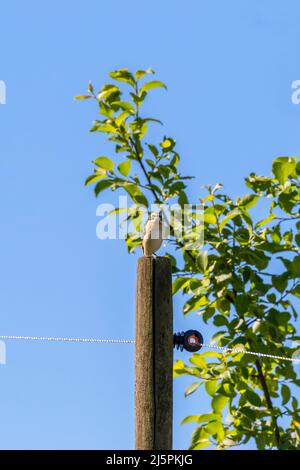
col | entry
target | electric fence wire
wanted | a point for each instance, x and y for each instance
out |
(222, 349)
(66, 340)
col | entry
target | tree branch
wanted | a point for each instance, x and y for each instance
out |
(268, 400)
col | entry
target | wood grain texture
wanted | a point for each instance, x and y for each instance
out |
(153, 355)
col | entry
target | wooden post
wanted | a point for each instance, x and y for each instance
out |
(153, 355)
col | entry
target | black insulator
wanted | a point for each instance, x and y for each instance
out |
(178, 340)
(191, 340)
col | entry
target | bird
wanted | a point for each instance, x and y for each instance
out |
(153, 237)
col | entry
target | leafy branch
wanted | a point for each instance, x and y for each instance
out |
(244, 279)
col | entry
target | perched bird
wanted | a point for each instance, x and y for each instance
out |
(153, 236)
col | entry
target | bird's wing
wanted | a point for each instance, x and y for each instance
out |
(146, 233)
(147, 228)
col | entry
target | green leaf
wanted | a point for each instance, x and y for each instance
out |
(182, 199)
(294, 266)
(249, 412)
(95, 177)
(217, 336)
(105, 163)
(135, 193)
(125, 105)
(121, 118)
(107, 92)
(228, 442)
(82, 97)
(198, 361)
(246, 216)
(141, 200)
(167, 144)
(190, 419)
(260, 440)
(248, 201)
(215, 428)
(202, 261)
(231, 215)
(123, 75)
(283, 167)
(280, 282)
(220, 320)
(252, 398)
(140, 73)
(180, 283)
(150, 162)
(201, 444)
(179, 368)
(124, 168)
(256, 326)
(265, 221)
(105, 109)
(150, 85)
(153, 120)
(241, 304)
(200, 438)
(211, 387)
(104, 184)
(210, 218)
(153, 149)
(219, 402)
(286, 394)
(195, 303)
(296, 291)
(103, 127)
(207, 417)
(227, 389)
(223, 278)
(288, 199)
(204, 418)
(138, 99)
(191, 388)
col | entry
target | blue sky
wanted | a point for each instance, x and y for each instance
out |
(229, 68)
